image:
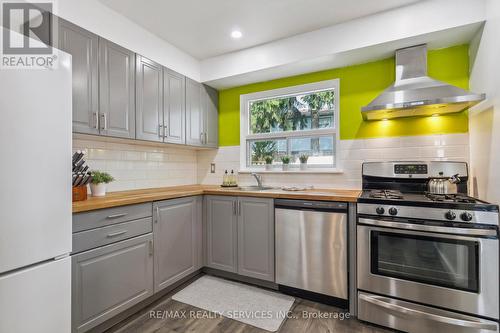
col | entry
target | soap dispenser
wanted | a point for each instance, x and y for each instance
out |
(225, 179)
(234, 179)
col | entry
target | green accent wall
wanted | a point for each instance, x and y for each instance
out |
(360, 84)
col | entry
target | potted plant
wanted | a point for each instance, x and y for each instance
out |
(269, 162)
(99, 181)
(286, 161)
(303, 161)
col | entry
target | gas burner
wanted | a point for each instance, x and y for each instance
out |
(386, 194)
(460, 198)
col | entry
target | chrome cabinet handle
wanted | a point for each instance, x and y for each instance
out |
(157, 214)
(115, 216)
(115, 234)
(160, 130)
(234, 208)
(165, 131)
(378, 300)
(239, 208)
(151, 248)
(201, 137)
(104, 122)
(205, 136)
(96, 120)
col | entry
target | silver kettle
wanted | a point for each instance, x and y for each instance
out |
(443, 185)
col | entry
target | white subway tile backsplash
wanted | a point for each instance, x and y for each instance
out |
(140, 166)
(352, 154)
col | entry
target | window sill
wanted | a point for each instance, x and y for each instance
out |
(293, 171)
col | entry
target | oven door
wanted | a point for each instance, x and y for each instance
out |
(431, 265)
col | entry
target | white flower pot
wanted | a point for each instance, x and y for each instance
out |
(285, 167)
(98, 190)
(269, 167)
(303, 166)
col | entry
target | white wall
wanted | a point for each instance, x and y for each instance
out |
(484, 120)
(328, 43)
(352, 154)
(101, 20)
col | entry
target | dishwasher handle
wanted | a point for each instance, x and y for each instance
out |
(311, 205)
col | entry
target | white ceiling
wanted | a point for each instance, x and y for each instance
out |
(202, 28)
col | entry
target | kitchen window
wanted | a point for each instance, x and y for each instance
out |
(292, 121)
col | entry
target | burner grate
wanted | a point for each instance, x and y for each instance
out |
(386, 194)
(460, 198)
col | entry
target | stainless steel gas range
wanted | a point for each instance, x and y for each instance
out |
(426, 262)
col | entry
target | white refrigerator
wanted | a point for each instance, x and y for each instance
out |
(35, 202)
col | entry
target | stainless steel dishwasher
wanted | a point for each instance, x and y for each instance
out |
(311, 247)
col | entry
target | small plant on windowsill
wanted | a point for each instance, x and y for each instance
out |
(269, 162)
(99, 181)
(303, 161)
(286, 161)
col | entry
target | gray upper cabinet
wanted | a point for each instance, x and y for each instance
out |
(83, 47)
(110, 279)
(211, 117)
(116, 90)
(201, 114)
(177, 234)
(149, 100)
(222, 233)
(194, 113)
(174, 107)
(256, 238)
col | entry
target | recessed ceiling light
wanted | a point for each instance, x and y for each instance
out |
(236, 34)
(435, 115)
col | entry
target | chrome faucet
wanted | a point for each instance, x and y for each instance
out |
(258, 178)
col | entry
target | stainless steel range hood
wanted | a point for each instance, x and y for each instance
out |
(416, 94)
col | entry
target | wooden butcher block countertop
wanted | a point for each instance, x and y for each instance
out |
(114, 199)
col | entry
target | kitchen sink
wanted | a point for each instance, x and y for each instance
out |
(254, 188)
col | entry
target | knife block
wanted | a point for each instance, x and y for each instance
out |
(79, 193)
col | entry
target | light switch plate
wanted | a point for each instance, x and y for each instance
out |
(212, 167)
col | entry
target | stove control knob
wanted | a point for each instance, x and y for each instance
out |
(450, 215)
(466, 216)
(393, 211)
(380, 210)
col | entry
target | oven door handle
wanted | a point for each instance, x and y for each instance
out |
(430, 228)
(379, 301)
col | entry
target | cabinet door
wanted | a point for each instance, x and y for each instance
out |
(211, 117)
(256, 238)
(174, 106)
(110, 279)
(116, 90)
(176, 240)
(82, 45)
(222, 233)
(194, 113)
(149, 100)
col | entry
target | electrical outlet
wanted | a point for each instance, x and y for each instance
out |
(212, 167)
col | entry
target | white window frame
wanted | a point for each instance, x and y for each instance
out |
(283, 92)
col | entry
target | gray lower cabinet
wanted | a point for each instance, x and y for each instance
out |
(174, 107)
(83, 47)
(110, 279)
(177, 230)
(116, 90)
(256, 238)
(222, 232)
(149, 100)
(240, 235)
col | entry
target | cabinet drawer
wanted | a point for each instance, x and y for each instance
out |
(109, 280)
(103, 217)
(86, 240)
